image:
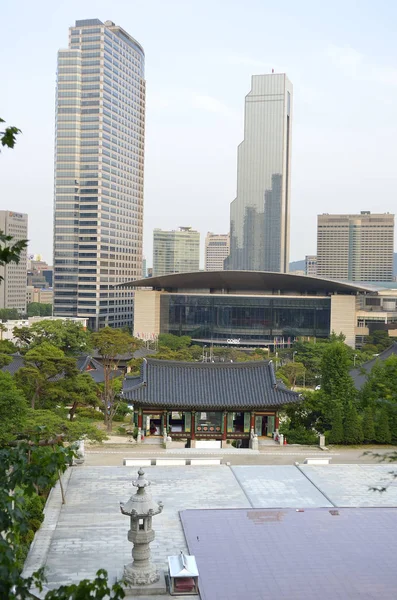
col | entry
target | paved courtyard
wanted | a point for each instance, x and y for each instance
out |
(89, 532)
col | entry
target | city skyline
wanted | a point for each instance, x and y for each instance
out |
(99, 167)
(194, 120)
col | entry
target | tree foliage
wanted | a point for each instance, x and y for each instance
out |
(39, 309)
(13, 408)
(111, 344)
(68, 336)
(174, 342)
(352, 429)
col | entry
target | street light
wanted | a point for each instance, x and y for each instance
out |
(354, 360)
(293, 355)
(203, 352)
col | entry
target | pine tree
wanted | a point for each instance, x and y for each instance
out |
(383, 435)
(336, 434)
(337, 386)
(368, 425)
(353, 433)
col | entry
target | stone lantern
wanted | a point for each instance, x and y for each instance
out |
(141, 508)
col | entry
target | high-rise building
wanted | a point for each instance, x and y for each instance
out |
(217, 248)
(311, 264)
(99, 161)
(13, 283)
(259, 215)
(355, 247)
(176, 251)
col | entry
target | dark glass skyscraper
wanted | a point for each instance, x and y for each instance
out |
(259, 215)
(99, 161)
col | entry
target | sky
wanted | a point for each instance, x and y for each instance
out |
(341, 57)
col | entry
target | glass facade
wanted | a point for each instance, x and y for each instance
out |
(99, 162)
(251, 319)
(259, 215)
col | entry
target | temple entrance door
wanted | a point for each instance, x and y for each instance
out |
(261, 425)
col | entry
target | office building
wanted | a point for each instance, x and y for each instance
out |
(355, 247)
(41, 295)
(99, 162)
(13, 283)
(311, 265)
(259, 215)
(176, 251)
(217, 248)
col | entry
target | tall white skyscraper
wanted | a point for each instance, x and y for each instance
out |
(259, 215)
(99, 162)
(14, 283)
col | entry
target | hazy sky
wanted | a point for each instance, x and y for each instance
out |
(341, 57)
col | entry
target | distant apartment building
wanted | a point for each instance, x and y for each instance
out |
(311, 265)
(176, 251)
(217, 248)
(13, 284)
(355, 247)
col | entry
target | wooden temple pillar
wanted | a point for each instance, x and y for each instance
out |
(140, 418)
(193, 426)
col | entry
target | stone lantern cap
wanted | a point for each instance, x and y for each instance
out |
(141, 504)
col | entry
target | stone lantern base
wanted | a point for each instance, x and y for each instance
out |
(139, 588)
(139, 576)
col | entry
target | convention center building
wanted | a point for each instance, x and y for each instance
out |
(258, 309)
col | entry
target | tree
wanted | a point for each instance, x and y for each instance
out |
(3, 329)
(10, 252)
(382, 430)
(8, 135)
(39, 309)
(337, 386)
(336, 435)
(80, 390)
(174, 342)
(110, 344)
(352, 427)
(368, 425)
(45, 364)
(13, 408)
(292, 371)
(68, 336)
(8, 314)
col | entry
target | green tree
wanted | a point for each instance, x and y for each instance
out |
(382, 429)
(68, 336)
(336, 435)
(13, 408)
(368, 425)
(39, 309)
(111, 344)
(353, 433)
(8, 314)
(45, 365)
(337, 386)
(174, 342)
(79, 390)
(292, 371)
(8, 136)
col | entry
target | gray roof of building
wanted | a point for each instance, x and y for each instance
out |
(360, 374)
(260, 281)
(207, 385)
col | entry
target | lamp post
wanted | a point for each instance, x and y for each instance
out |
(204, 347)
(293, 355)
(354, 360)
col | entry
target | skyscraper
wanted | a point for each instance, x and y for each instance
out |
(99, 161)
(259, 215)
(217, 248)
(176, 251)
(355, 247)
(13, 285)
(311, 265)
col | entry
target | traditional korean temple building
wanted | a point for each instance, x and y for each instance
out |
(207, 401)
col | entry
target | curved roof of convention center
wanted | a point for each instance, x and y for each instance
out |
(252, 281)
